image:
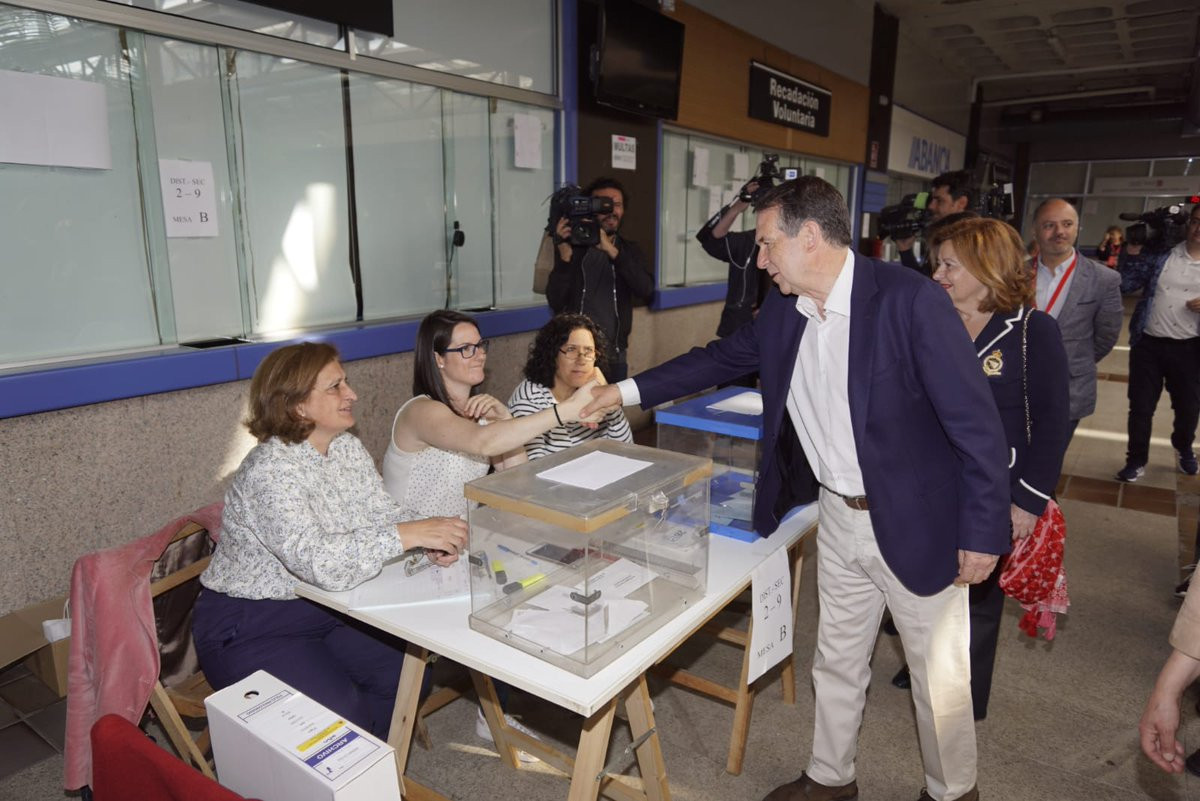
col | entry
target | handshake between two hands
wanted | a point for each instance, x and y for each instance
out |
(597, 400)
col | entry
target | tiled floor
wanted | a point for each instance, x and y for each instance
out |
(1109, 492)
(32, 721)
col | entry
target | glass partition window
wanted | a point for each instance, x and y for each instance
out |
(399, 188)
(520, 193)
(291, 140)
(1177, 167)
(1101, 205)
(184, 89)
(700, 175)
(509, 43)
(75, 270)
(248, 17)
(320, 186)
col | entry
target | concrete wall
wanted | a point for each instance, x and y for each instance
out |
(92, 477)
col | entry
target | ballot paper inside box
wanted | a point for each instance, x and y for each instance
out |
(726, 426)
(274, 743)
(580, 555)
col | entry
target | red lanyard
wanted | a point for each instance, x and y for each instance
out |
(1061, 283)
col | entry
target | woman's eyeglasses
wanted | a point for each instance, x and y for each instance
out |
(468, 351)
(577, 352)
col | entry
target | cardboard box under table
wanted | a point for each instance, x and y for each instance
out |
(725, 425)
(580, 555)
(275, 743)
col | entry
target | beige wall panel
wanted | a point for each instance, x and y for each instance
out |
(714, 93)
(79, 480)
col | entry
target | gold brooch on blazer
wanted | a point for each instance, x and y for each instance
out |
(993, 363)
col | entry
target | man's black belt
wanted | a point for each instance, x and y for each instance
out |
(857, 502)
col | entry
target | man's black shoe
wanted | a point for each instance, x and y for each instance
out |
(902, 679)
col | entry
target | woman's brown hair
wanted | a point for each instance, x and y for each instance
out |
(993, 252)
(281, 382)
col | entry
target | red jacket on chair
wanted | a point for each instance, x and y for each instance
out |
(114, 660)
(130, 766)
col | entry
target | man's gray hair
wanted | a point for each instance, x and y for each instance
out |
(809, 198)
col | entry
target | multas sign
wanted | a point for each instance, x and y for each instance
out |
(786, 100)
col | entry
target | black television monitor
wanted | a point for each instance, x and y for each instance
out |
(637, 59)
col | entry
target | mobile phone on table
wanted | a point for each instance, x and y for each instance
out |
(556, 553)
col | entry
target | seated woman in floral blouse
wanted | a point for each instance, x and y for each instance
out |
(307, 505)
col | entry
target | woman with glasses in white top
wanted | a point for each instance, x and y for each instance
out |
(567, 353)
(447, 435)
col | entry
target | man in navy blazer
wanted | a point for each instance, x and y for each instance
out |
(872, 394)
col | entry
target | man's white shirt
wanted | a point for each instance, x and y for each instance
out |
(819, 396)
(818, 399)
(1048, 281)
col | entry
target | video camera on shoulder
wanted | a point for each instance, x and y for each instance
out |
(1158, 230)
(905, 219)
(580, 211)
(996, 201)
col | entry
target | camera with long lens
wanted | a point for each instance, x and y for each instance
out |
(767, 176)
(905, 219)
(581, 212)
(1158, 230)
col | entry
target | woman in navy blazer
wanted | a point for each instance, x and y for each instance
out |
(980, 263)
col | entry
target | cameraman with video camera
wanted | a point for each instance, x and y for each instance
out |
(596, 271)
(951, 193)
(1162, 257)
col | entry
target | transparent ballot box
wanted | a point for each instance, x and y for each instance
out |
(725, 426)
(582, 554)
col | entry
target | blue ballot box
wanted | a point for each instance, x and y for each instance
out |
(731, 439)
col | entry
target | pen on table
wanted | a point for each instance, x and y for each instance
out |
(506, 549)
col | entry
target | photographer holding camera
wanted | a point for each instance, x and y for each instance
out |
(1164, 332)
(744, 290)
(951, 194)
(596, 271)
(738, 249)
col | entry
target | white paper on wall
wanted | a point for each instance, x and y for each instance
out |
(527, 141)
(624, 152)
(700, 166)
(56, 122)
(189, 198)
(741, 167)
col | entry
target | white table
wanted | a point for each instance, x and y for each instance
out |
(442, 628)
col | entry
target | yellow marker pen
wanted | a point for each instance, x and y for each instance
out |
(517, 586)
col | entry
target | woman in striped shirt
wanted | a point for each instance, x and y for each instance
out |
(567, 353)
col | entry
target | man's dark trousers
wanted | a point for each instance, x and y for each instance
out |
(1153, 362)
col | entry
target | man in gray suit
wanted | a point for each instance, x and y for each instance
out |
(1083, 295)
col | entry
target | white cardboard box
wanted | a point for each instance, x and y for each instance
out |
(275, 743)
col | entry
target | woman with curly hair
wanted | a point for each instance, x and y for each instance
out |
(567, 352)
